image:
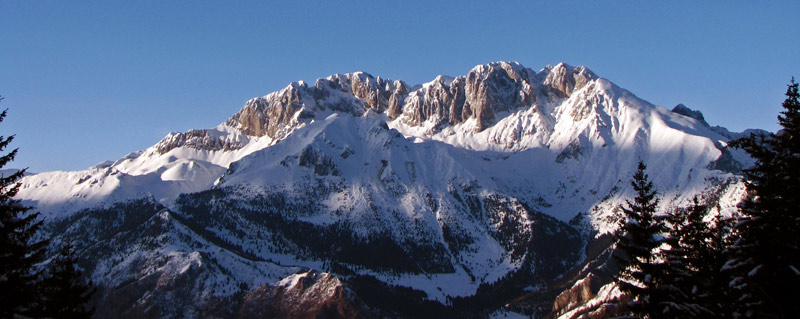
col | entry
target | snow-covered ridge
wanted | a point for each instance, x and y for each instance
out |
(500, 107)
(442, 187)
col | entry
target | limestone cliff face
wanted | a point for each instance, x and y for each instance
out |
(497, 87)
(353, 93)
(374, 92)
(397, 99)
(435, 101)
(561, 80)
(486, 90)
(267, 115)
(489, 89)
(476, 97)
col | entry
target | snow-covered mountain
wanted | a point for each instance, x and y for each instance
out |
(456, 195)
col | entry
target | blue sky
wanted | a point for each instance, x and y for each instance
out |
(88, 81)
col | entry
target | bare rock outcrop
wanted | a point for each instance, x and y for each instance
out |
(561, 80)
(352, 93)
(320, 163)
(375, 92)
(356, 92)
(305, 295)
(397, 99)
(497, 87)
(695, 114)
(486, 90)
(267, 115)
(579, 294)
(200, 139)
(478, 96)
(437, 100)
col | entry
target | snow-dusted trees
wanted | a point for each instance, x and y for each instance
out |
(694, 281)
(765, 259)
(639, 234)
(692, 269)
(670, 267)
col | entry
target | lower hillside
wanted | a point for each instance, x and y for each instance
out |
(151, 261)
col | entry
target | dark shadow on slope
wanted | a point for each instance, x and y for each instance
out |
(337, 241)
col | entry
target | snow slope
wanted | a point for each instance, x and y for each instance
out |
(446, 187)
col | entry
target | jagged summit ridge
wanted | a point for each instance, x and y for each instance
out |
(474, 98)
(484, 91)
(501, 106)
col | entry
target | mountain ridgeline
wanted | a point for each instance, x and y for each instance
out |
(364, 197)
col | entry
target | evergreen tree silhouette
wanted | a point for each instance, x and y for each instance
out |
(638, 235)
(695, 283)
(719, 292)
(766, 257)
(20, 252)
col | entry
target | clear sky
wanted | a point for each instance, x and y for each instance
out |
(88, 81)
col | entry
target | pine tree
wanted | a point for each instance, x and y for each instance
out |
(637, 237)
(766, 257)
(694, 279)
(65, 292)
(719, 292)
(680, 260)
(19, 251)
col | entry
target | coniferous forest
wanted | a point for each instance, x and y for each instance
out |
(695, 265)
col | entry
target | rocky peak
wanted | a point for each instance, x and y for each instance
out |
(686, 111)
(496, 87)
(397, 99)
(375, 92)
(485, 90)
(267, 115)
(437, 99)
(561, 80)
(479, 95)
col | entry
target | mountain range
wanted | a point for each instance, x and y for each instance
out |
(486, 194)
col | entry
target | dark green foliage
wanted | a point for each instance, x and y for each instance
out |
(694, 280)
(19, 251)
(65, 292)
(701, 273)
(638, 235)
(766, 258)
(718, 292)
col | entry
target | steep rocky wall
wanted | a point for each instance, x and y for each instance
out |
(479, 95)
